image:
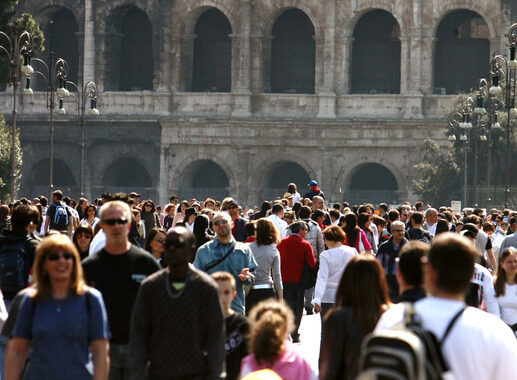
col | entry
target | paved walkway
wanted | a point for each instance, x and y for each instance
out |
(310, 333)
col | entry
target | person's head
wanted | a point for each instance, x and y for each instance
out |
(170, 209)
(334, 234)
(305, 212)
(393, 215)
(190, 215)
(431, 216)
(201, 223)
(232, 207)
(270, 323)
(291, 188)
(397, 230)
(350, 225)
(221, 224)
(57, 196)
(334, 214)
(506, 270)
(278, 210)
(318, 216)
(417, 219)
(114, 220)
(180, 247)
(409, 269)
(155, 242)
(450, 265)
(419, 206)
(383, 209)
(289, 216)
(404, 210)
(90, 211)
(266, 233)
(4, 211)
(318, 203)
(209, 203)
(43, 201)
(21, 217)
(363, 221)
(227, 289)
(363, 288)
(83, 236)
(56, 261)
(299, 227)
(441, 226)
(148, 206)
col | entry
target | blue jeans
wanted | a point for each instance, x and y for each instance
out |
(119, 362)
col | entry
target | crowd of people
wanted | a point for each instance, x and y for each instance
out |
(122, 288)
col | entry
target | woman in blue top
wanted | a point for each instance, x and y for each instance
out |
(58, 319)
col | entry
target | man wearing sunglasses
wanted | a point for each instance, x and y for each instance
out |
(117, 271)
(226, 254)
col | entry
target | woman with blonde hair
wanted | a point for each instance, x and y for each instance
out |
(270, 323)
(58, 319)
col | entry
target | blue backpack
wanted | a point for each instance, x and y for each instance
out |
(12, 266)
(60, 221)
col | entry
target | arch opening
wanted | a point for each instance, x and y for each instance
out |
(293, 54)
(376, 54)
(373, 183)
(279, 175)
(203, 178)
(462, 52)
(62, 178)
(126, 175)
(212, 53)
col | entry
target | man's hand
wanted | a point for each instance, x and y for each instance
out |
(245, 274)
(317, 307)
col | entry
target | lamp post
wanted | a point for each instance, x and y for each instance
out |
(460, 123)
(89, 90)
(58, 70)
(21, 44)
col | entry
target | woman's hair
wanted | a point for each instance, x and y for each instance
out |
(363, 288)
(351, 228)
(500, 279)
(266, 232)
(270, 322)
(84, 227)
(178, 209)
(363, 221)
(334, 233)
(291, 188)
(154, 231)
(441, 226)
(168, 208)
(379, 221)
(42, 288)
(149, 202)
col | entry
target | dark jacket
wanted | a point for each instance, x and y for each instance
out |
(420, 234)
(386, 255)
(10, 237)
(411, 295)
(313, 191)
(239, 233)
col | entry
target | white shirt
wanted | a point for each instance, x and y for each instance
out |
(486, 293)
(332, 264)
(479, 346)
(280, 224)
(508, 304)
(98, 242)
(431, 228)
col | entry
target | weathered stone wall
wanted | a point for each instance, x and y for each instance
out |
(245, 131)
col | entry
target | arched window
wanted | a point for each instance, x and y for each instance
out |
(376, 54)
(202, 179)
(126, 172)
(61, 38)
(279, 175)
(462, 52)
(212, 53)
(372, 183)
(136, 52)
(62, 178)
(293, 54)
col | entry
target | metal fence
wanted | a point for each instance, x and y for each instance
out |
(484, 196)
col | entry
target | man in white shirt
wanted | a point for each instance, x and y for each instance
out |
(480, 345)
(277, 218)
(431, 219)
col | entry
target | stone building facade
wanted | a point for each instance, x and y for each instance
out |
(240, 97)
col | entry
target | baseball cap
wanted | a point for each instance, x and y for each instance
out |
(313, 183)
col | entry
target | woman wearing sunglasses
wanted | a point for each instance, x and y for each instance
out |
(58, 320)
(155, 244)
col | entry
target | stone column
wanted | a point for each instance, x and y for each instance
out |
(185, 69)
(163, 187)
(327, 93)
(257, 63)
(243, 158)
(175, 69)
(428, 44)
(267, 48)
(348, 42)
(404, 64)
(89, 43)
(162, 77)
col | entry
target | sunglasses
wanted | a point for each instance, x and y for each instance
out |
(54, 256)
(220, 222)
(160, 240)
(112, 222)
(231, 207)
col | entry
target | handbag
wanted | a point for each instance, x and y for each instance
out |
(308, 277)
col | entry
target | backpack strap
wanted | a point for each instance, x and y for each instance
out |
(451, 324)
(217, 262)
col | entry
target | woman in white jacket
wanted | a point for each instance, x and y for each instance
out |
(332, 264)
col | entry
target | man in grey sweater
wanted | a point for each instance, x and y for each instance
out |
(177, 325)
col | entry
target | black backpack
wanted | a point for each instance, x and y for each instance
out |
(60, 221)
(12, 266)
(406, 351)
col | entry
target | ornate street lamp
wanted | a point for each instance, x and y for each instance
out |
(20, 45)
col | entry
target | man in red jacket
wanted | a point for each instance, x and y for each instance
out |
(295, 251)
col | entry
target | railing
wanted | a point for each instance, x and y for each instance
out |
(201, 193)
(495, 193)
(357, 197)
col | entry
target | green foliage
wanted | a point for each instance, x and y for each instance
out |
(440, 176)
(24, 23)
(5, 159)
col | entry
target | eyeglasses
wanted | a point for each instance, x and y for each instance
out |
(220, 222)
(160, 240)
(231, 207)
(112, 222)
(54, 256)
